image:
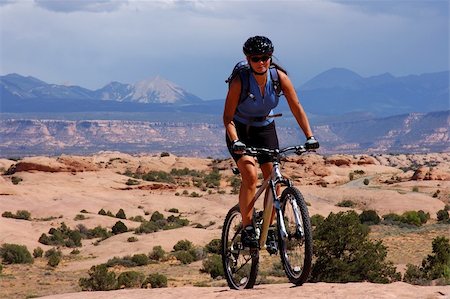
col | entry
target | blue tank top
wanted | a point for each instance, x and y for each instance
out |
(253, 109)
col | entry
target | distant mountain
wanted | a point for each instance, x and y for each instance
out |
(14, 87)
(155, 90)
(335, 92)
(339, 91)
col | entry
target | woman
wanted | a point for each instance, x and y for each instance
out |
(248, 123)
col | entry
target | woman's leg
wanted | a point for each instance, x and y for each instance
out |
(247, 167)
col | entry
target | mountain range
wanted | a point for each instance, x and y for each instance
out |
(334, 92)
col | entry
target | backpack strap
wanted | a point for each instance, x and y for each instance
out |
(275, 80)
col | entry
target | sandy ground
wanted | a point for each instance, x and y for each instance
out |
(396, 290)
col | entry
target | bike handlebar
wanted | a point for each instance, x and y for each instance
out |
(275, 153)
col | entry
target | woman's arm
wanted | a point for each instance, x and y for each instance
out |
(294, 104)
(231, 103)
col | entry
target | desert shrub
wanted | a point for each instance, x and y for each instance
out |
(102, 212)
(424, 217)
(174, 210)
(369, 217)
(132, 239)
(366, 181)
(157, 253)
(214, 246)
(415, 189)
(194, 194)
(75, 251)
(79, 217)
(213, 266)
(183, 245)
(146, 227)
(411, 217)
(140, 259)
(119, 228)
(392, 218)
(442, 216)
(164, 154)
(120, 261)
(130, 279)
(132, 182)
(156, 216)
(1, 268)
(20, 214)
(158, 176)
(121, 214)
(98, 232)
(15, 254)
(346, 204)
(137, 218)
(212, 179)
(16, 180)
(351, 176)
(38, 252)
(317, 219)
(235, 183)
(54, 259)
(155, 280)
(100, 279)
(436, 194)
(435, 266)
(184, 256)
(176, 222)
(345, 253)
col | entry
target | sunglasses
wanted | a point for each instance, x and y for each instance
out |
(260, 58)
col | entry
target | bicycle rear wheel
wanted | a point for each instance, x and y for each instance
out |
(240, 264)
(296, 249)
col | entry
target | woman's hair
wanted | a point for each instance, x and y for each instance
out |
(278, 67)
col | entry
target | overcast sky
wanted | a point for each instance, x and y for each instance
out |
(196, 43)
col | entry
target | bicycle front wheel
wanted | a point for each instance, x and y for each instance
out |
(296, 248)
(240, 264)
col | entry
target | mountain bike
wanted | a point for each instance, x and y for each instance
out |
(291, 237)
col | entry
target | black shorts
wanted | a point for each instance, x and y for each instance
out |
(265, 137)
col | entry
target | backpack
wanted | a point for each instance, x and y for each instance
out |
(243, 70)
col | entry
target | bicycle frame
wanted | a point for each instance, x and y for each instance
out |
(271, 201)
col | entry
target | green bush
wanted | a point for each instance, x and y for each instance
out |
(369, 217)
(147, 227)
(132, 239)
(20, 214)
(16, 180)
(140, 259)
(214, 246)
(346, 204)
(62, 236)
(174, 210)
(155, 280)
(442, 216)
(317, 219)
(157, 253)
(119, 228)
(158, 176)
(344, 252)
(415, 189)
(102, 212)
(1, 268)
(213, 266)
(183, 245)
(54, 260)
(15, 254)
(434, 267)
(132, 182)
(38, 252)
(184, 256)
(130, 279)
(411, 217)
(121, 261)
(121, 214)
(156, 216)
(212, 179)
(100, 279)
(366, 181)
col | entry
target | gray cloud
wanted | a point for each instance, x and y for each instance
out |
(68, 6)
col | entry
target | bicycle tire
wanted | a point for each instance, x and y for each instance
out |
(296, 250)
(240, 265)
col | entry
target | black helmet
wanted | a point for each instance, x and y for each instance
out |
(258, 45)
